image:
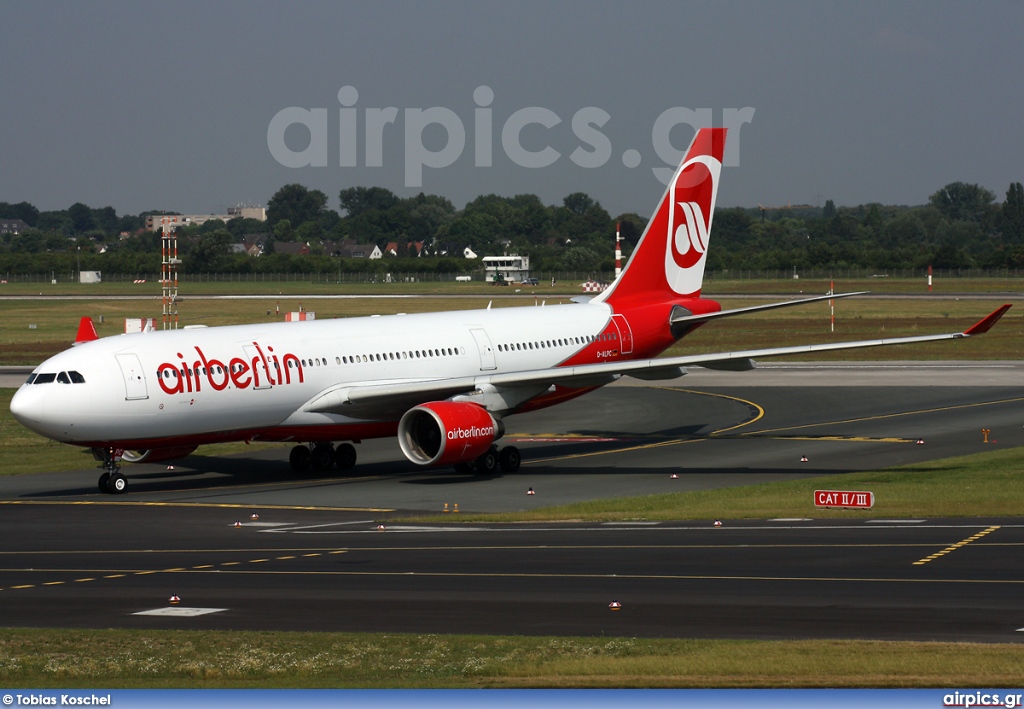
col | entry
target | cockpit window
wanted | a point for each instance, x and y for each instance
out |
(62, 378)
(45, 378)
(76, 378)
(31, 378)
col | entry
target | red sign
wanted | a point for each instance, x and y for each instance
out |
(843, 498)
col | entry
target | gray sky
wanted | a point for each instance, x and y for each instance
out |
(167, 105)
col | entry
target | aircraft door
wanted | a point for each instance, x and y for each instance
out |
(483, 343)
(625, 334)
(255, 360)
(134, 379)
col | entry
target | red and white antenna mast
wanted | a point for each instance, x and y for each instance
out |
(169, 273)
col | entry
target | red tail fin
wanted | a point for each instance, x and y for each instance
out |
(86, 331)
(668, 263)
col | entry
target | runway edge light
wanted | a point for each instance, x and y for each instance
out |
(174, 600)
(615, 606)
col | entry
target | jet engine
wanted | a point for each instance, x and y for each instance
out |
(447, 432)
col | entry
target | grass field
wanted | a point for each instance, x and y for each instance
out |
(985, 484)
(32, 330)
(135, 659)
(327, 284)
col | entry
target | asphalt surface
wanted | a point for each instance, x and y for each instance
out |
(315, 559)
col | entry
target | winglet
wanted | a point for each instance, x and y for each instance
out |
(87, 331)
(986, 324)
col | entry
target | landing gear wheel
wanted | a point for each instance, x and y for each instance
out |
(509, 459)
(487, 463)
(345, 456)
(300, 459)
(322, 457)
(117, 484)
(103, 482)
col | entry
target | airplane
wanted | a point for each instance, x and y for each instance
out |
(442, 383)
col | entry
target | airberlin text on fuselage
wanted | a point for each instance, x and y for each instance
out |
(182, 378)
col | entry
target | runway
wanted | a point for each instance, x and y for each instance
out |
(320, 571)
(315, 560)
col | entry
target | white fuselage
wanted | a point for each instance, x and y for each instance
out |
(252, 381)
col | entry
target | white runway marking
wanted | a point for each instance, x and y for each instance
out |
(180, 612)
(316, 526)
(895, 521)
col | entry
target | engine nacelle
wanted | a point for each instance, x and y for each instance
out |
(157, 455)
(447, 432)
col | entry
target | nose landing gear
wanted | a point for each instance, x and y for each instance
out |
(112, 481)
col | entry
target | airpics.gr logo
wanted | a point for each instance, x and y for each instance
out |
(366, 130)
(689, 224)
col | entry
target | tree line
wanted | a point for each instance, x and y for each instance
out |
(961, 226)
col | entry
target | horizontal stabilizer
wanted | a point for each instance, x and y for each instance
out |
(86, 331)
(757, 308)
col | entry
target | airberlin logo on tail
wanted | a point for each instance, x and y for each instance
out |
(261, 370)
(689, 226)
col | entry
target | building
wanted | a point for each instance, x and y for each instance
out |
(511, 269)
(254, 243)
(393, 248)
(12, 226)
(350, 249)
(291, 248)
(156, 222)
(247, 212)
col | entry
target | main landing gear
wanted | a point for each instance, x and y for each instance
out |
(112, 481)
(321, 457)
(508, 459)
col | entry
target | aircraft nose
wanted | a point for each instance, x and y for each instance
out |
(22, 408)
(28, 408)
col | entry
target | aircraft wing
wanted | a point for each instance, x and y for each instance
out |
(376, 399)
